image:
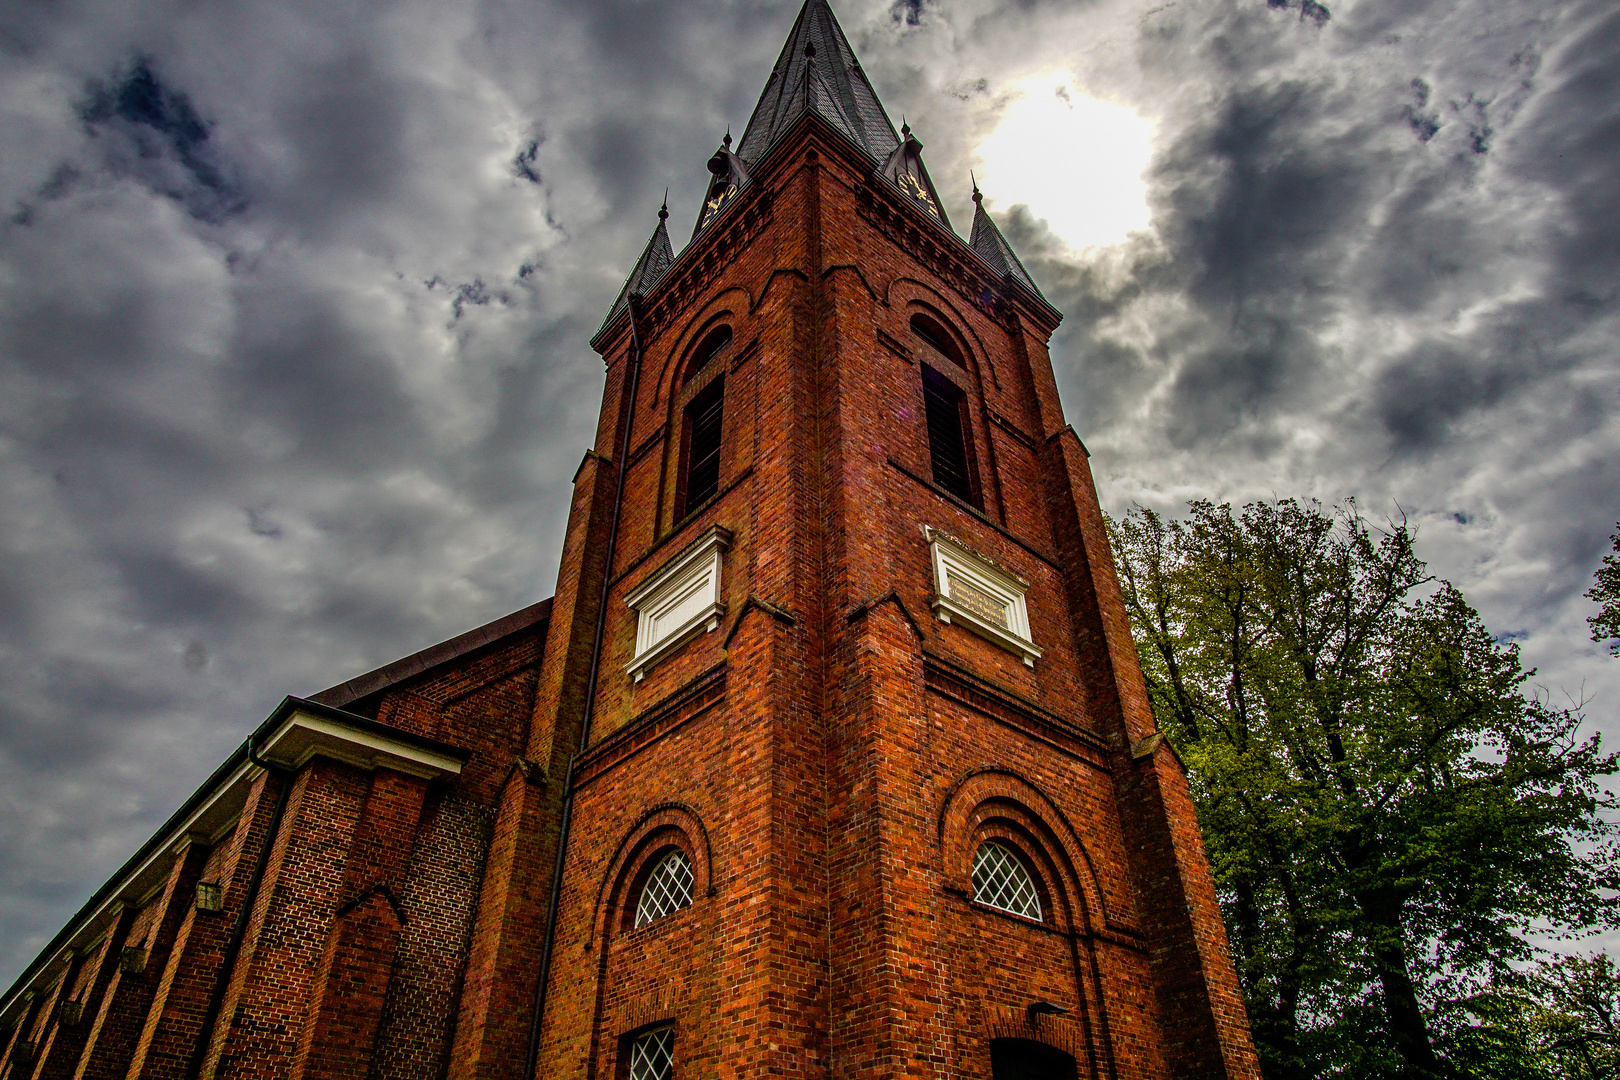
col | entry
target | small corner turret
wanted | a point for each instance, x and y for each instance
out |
(656, 259)
(988, 244)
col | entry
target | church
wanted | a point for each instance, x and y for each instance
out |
(829, 757)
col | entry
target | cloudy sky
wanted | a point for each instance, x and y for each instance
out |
(294, 302)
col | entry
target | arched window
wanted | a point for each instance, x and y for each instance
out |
(652, 1056)
(668, 887)
(1026, 1059)
(1001, 881)
(938, 337)
(707, 349)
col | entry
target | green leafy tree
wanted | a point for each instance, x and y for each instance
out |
(1384, 807)
(1579, 998)
(1606, 591)
(1554, 1020)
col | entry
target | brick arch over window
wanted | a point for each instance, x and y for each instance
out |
(998, 804)
(1063, 1033)
(710, 345)
(727, 306)
(670, 825)
(908, 297)
(925, 324)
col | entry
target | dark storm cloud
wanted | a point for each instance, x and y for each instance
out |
(618, 153)
(346, 129)
(304, 369)
(1577, 150)
(294, 303)
(143, 128)
(1258, 201)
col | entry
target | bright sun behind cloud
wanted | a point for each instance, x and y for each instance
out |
(1075, 161)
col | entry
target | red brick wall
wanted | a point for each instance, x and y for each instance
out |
(816, 741)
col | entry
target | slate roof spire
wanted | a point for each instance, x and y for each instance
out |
(988, 244)
(817, 72)
(655, 261)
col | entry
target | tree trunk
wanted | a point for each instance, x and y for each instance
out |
(1402, 1012)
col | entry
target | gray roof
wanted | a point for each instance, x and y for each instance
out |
(655, 261)
(818, 72)
(988, 244)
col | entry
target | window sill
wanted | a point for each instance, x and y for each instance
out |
(707, 621)
(948, 611)
(1023, 920)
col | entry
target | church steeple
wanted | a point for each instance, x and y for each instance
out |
(988, 244)
(655, 261)
(817, 72)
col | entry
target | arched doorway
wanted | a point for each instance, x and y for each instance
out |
(1026, 1059)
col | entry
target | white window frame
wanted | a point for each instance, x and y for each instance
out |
(679, 601)
(953, 558)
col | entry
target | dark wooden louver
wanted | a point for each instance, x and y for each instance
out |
(946, 442)
(704, 417)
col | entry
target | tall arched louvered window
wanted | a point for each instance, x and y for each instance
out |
(700, 448)
(668, 888)
(1001, 881)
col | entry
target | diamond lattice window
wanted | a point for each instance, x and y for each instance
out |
(668, 888)
(1000, 880)
(652, 1056)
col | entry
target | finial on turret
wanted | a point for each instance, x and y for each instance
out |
(977, 196)
(663, 211)
(905, 128)
(726, 142)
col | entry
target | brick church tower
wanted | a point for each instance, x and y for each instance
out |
(830, 756)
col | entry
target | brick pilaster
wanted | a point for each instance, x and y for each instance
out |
(95, 975)
(114, 1019)
(1202, 1014)
(137, 1011)
(19, 1052)
(350, 984)
(53, 1038)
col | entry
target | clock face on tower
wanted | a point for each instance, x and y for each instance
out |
(721, 195)
(719, 199)
(914, 187)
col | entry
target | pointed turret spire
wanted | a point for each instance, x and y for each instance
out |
(817, 72)
(988, 244)
(655, 261)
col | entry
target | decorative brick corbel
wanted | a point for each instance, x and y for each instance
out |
(866, 607)
(775, 611)
(533, 772)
